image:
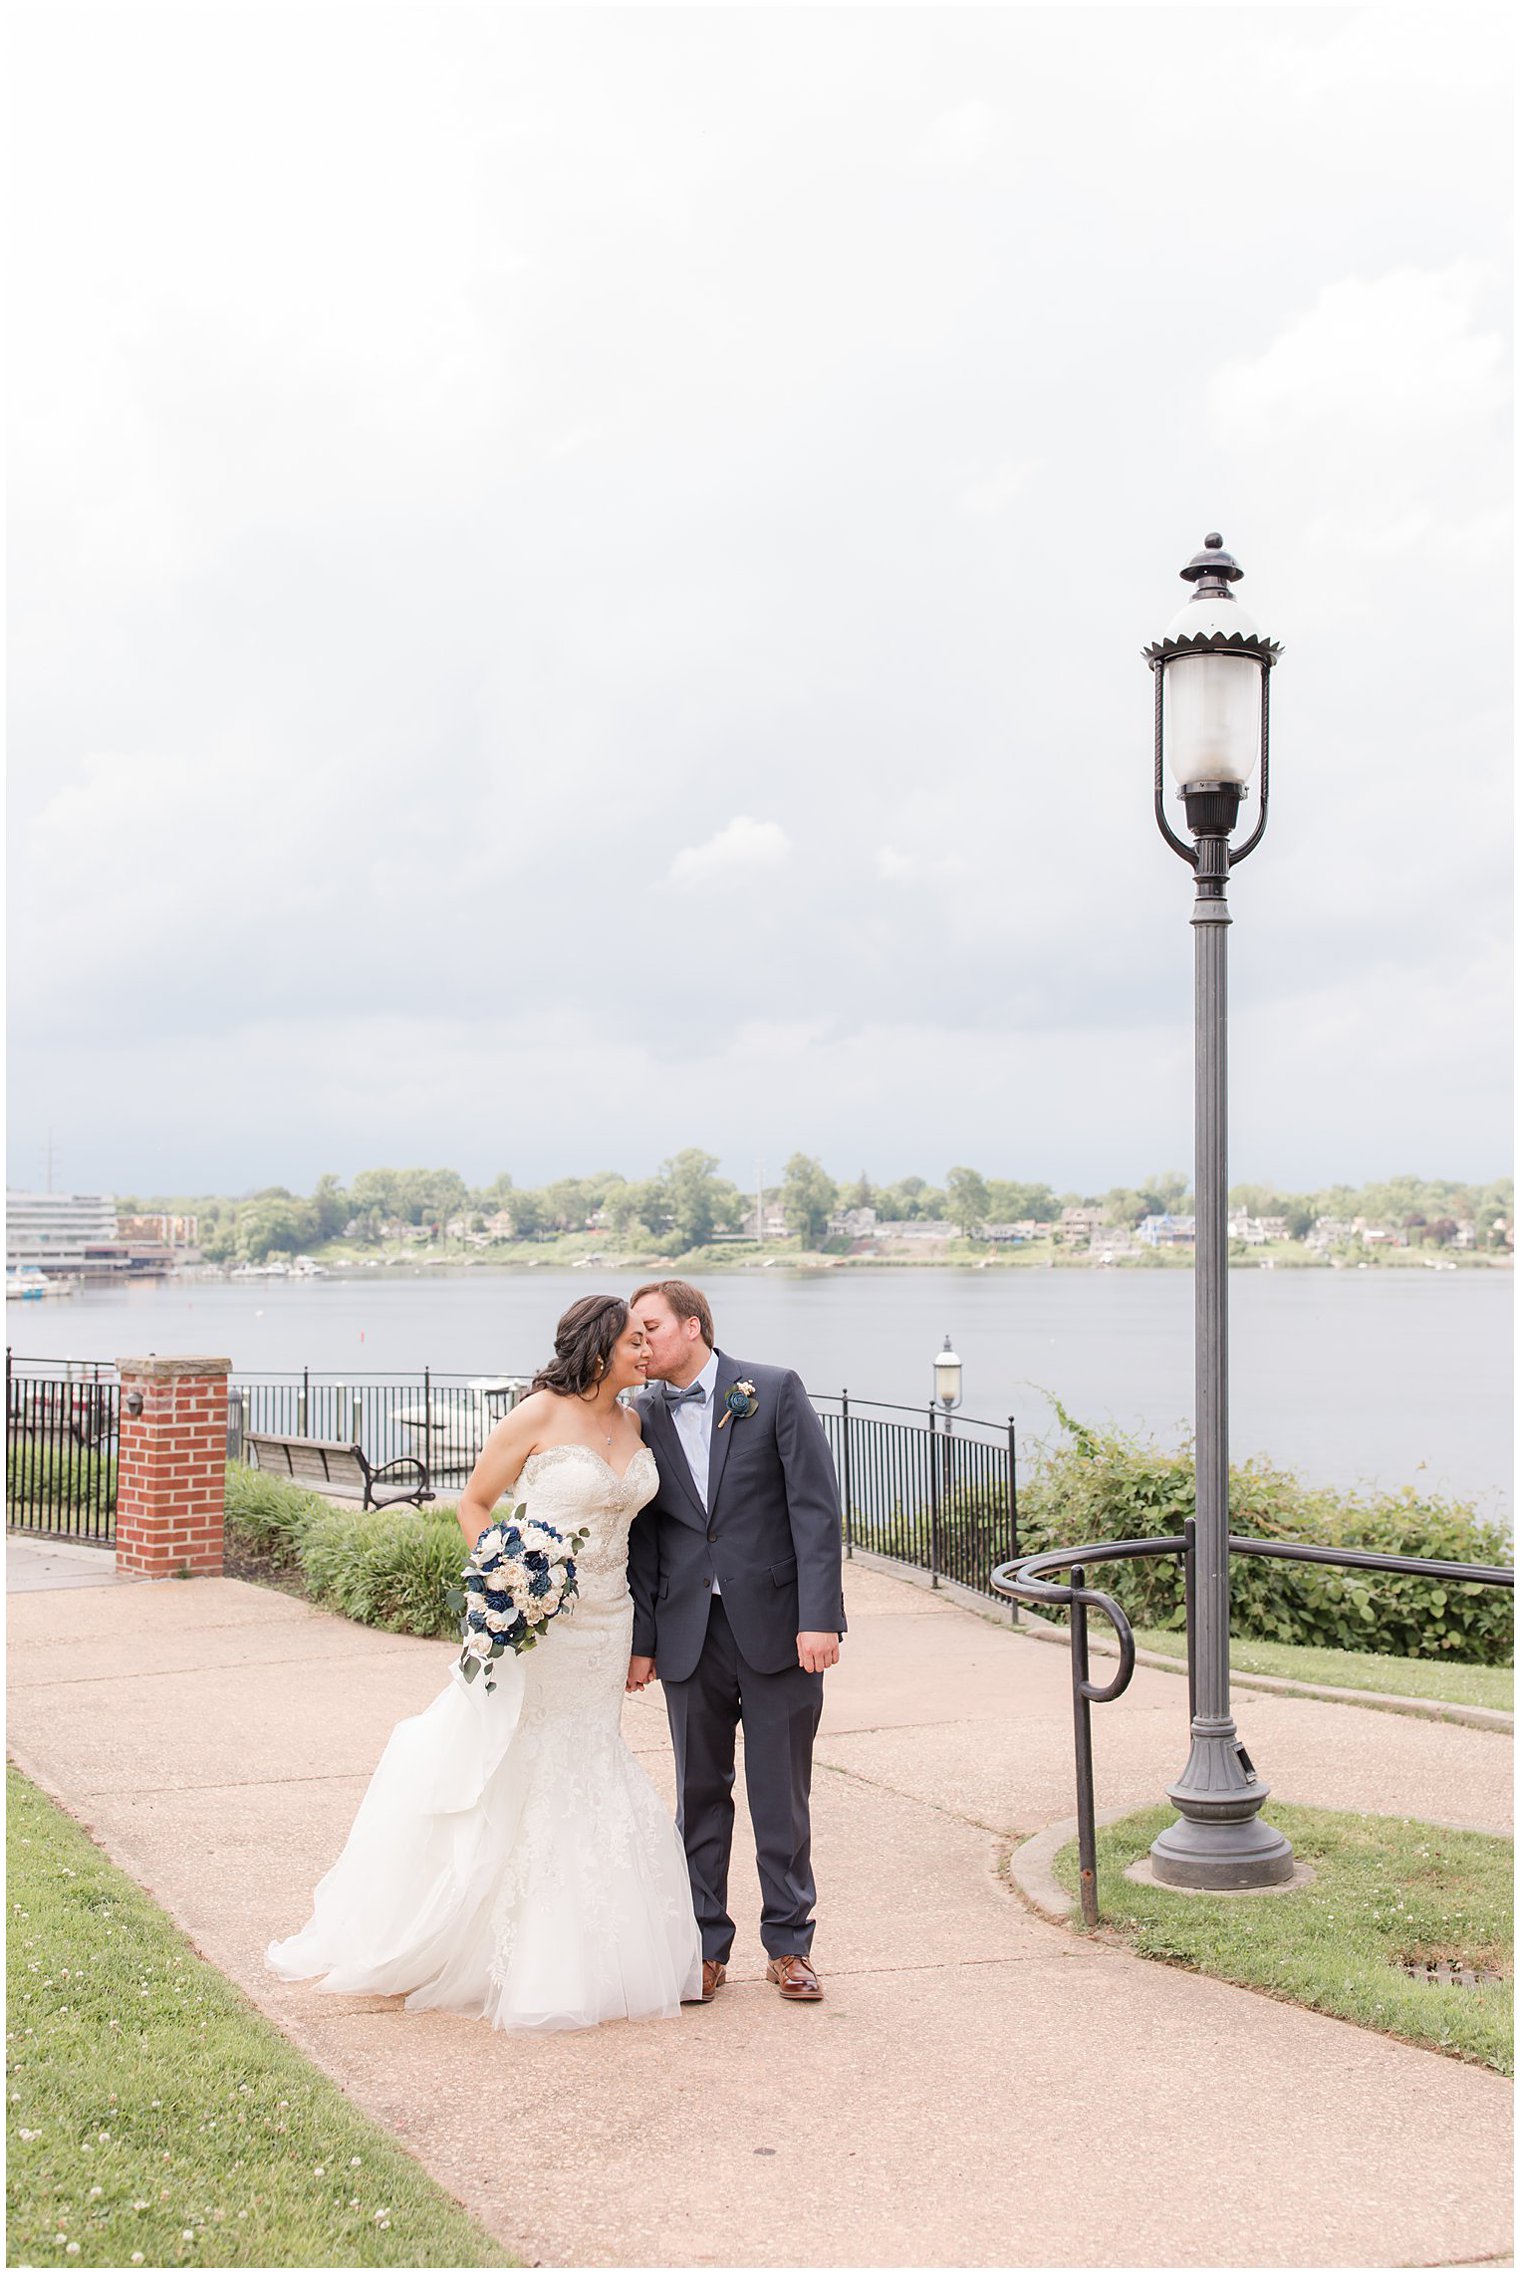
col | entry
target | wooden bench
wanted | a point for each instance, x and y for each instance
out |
(342, 1470)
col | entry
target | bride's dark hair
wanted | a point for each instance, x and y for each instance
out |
(584, 1342)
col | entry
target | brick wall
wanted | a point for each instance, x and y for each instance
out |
(171, 1471)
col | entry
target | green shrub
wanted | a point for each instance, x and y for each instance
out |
(38, 1473)
(1103, 1486)
(386, 1567)
(267, 1515)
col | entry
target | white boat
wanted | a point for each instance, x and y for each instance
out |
(449, 1437)
(28, 1283)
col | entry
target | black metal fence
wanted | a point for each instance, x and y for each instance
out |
(925, 1488)
(442, 1419)
(60, 1450)
(921, 1487)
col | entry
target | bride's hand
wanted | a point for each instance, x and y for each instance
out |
(641, 1672)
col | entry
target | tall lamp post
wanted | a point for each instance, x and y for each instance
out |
(1212, 668)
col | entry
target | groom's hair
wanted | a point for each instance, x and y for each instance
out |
(686, 1301)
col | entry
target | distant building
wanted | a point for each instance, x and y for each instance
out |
(1078, 1225)
(1167, 1231)
(76, 1235)
(1257, 1231)
(169, 1231)
(53, 1229)
(1331, 1232)
(775, 1226)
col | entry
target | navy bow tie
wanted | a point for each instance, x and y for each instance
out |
(695, 1395)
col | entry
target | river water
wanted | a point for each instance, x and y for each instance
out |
(1384, 1376)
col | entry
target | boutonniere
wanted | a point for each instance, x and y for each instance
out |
(739, 1404)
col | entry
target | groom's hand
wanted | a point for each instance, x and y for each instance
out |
(817, 1652)
(640, 1673)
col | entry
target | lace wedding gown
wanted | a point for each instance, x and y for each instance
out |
(511, 1860)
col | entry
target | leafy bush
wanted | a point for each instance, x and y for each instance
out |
(60, 1476)
(386, 1567)
(1103, 1486)
(267, 1515)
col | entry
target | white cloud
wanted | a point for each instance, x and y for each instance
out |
(743, 845)
(603, 423)
(993, 492)
(1374, 358)
(957, 140)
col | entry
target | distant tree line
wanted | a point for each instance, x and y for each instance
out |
(686, 1204)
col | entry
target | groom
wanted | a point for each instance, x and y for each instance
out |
(735, 1572)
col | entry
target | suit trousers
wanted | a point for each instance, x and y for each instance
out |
(780, 1715)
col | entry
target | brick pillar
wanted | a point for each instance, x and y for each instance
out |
(172, 1467)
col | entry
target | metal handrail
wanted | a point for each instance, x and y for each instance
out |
(1023, 1581)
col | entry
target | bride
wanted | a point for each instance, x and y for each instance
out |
(511, 1860)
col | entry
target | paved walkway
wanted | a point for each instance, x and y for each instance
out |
(978, 2088)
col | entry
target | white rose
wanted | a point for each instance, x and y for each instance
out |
(497, 1620)
(511, 1576)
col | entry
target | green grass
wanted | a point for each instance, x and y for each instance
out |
(156, 2119)
(1355, 1669)
(1385, 1889)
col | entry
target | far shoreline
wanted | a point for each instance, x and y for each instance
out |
(721, 1260)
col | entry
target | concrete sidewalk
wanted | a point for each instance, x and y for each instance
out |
(978, 2087)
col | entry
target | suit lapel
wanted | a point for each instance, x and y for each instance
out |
(729, 1371)
(671, 1455)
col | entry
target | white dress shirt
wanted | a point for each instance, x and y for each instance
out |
(694, 1426)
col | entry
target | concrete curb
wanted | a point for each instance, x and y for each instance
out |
(1030, 1862)
(1379, 1701)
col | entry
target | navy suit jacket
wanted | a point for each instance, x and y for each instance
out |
(770, 1533)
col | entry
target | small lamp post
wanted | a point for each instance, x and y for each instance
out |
(947, 1378)
(1212, 668)
(947, 1391)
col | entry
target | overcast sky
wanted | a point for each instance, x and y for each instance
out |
(577, 581)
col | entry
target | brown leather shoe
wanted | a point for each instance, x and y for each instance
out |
(714, 1975)
(794, 1978)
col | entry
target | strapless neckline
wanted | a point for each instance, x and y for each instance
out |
(621, 1475)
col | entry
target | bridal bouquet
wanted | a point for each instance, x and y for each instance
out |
(520, 1575)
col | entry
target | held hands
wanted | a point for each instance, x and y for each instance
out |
(641, 1672)
(815, 1652)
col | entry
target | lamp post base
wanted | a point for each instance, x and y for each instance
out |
(1219, 1840)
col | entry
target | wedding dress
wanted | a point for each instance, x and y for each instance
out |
(511, 1860)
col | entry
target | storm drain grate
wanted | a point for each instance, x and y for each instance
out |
(1445, 1977)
